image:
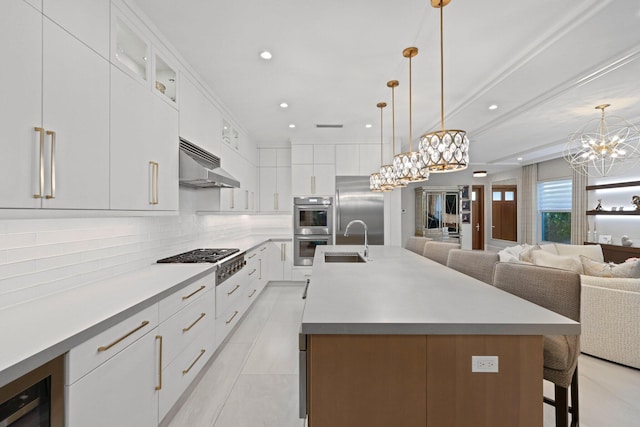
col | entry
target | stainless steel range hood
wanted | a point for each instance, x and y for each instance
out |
(201, 169)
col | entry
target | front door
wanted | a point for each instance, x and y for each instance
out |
(477, 216)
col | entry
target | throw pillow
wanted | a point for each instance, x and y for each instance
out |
(564, 262)
(628, 269)
(510, 254)
(590, 251)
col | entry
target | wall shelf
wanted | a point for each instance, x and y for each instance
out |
(615, 185)
(634, 212)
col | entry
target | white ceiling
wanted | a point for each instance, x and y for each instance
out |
(545, 63)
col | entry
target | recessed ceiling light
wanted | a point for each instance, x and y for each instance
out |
(368, 125)
(265, 54)
(493, 107)
(283, 105)
(292, 125)
(520, 159)
(479, 174)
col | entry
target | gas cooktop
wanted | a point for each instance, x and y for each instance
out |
(200, 255)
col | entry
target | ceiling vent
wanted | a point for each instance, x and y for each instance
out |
(329, 126)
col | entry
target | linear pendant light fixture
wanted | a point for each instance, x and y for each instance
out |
(446, 150)
(375, 179)
(600, 146)
(409, 166)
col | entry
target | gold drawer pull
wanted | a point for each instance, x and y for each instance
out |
(194, 323)
(251, 294)
(262, 249)
(107, 347)
(252, 271)
(252, 255)
(186, 371)
(235, 313)
(193, 293)
(159, 386)
(233, 290)
(41, 164)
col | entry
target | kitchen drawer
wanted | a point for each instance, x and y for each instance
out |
(185, 296)
(96, 350)
(251, 271)
(187, 324)
(180, 373)
(229, 291)
(229, 319)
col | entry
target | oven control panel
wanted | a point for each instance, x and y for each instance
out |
(230, 267)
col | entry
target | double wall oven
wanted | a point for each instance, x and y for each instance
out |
(312, 226)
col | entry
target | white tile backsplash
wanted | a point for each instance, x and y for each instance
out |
(39, 257)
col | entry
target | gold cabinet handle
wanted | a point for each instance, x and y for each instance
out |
(233, 199)
(263, 248)
(275, 201)
(235, 313)
(157, 182)
(159, 386)
(153, 169)
(282, 252)
(233, 290)
(193, 293)
(252, 293)
(107, 347)
(251, 256)
(186, 371)
(252, 271)
(41, 163)
(246, 201)
(188, 328)
(52, 170)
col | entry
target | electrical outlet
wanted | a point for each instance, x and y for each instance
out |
(484, 364)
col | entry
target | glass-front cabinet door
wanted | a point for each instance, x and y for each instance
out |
(437, 212)
(165, 78)
(131, 52)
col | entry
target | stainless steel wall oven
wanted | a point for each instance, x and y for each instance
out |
(312, 226)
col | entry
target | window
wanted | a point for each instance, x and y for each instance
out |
(504, 213)
(554, 211)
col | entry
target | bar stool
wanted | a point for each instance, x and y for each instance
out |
(477, 264)
(439, 251)
(559, 291)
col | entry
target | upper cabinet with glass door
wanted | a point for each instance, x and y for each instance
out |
(165, 78)
(230, 135)
(131, 51)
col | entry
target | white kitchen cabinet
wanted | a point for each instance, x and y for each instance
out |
(279, 260)
(121, 391)
(58, 85)
(358, 159)
(275, 180)
(315, 177)
(370, 158)
(86, 20)
(200, 120)
(144, 147)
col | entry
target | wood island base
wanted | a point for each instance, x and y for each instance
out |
(423, 380)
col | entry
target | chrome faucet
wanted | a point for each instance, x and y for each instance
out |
(366, 241)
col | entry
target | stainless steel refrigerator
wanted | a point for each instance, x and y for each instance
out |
(354, 200)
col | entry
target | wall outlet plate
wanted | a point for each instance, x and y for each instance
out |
(484, 364)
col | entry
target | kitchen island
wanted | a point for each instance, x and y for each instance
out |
(389, 342)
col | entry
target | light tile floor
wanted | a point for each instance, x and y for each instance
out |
(253, 380)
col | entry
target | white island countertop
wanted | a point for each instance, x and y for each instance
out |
(399, 292)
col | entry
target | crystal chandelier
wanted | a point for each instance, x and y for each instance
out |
(409, 166)
(388, 172)
(377, 181)
(446, 150)
(601, 145)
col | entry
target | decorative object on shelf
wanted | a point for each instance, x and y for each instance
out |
(376, 182)
(388, 172)
(409, 166)
(446, 150)
(466, 218)
(598, 150)
(626, 241)
(599, 206)
(635, 201)
(605, 238)
(589, 234)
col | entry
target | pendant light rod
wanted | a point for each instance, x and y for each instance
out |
(441, 70)
(410, 52)
(381, 105)
(393, 84)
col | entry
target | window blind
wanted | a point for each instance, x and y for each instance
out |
(554, 196)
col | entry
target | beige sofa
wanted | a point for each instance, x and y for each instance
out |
(610, 306)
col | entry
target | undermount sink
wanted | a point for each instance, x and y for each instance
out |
(343, 257)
